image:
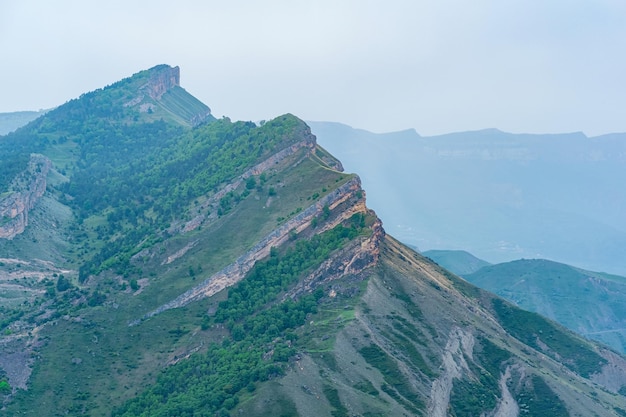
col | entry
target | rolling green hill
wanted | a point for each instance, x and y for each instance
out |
(155, 266)
(590, 303)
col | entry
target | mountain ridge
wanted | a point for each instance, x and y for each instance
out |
(489, 130)
(277, 289)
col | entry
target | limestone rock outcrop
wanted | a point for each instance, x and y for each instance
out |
(162, 79)
(27, 188)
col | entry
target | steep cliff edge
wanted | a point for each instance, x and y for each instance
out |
(27, 188)
(162, 79)
(161, 95)
(346, 201)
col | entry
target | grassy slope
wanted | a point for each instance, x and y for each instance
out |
(373, 348)
(116, 361)
(376, 347)
(183, 106)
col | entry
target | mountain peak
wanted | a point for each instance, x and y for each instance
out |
(152, 94)
(162, 78)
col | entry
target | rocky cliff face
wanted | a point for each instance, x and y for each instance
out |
(161, 80)
(345, 201)
(27, 188)
(150, 97)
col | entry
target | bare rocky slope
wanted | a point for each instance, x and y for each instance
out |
(27, 188)
(274, 292)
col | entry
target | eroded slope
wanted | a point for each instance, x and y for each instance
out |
(412, 343)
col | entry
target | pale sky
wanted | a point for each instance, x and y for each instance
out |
(536, 66)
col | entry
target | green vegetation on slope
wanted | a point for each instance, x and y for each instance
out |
(474, 396)
(590, 303)
(537, 399)
(533, 329)
(265, 282)
(396, 384)
(262, 338)
(102, 125)
(372, 346)
(117, 361)
(127, 184)
(142, 195)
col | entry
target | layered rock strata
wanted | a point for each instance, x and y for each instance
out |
(349, 194)
(27, 188)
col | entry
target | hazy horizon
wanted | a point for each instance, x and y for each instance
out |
(522, 67)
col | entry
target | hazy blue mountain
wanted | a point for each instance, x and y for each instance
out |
(13, 120)
(499, 195)
(589, 303)
(458, 261)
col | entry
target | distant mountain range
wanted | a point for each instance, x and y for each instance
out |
(590, 303)
(498, 195)
(458, 261)
(501, 196)
(11, 121)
